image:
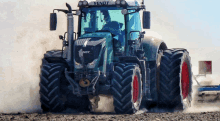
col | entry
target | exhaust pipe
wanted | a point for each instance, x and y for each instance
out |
(70, 29)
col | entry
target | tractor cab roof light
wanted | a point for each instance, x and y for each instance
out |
(85, 3)
(123, 2)
(117, 2)
(80, 3)
(120, 2)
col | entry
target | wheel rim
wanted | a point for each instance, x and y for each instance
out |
(135, 89)
(185, 80)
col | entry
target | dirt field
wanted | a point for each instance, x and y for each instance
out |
(198, 112)
(204, 116)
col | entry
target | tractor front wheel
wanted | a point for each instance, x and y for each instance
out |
(55, 95)
(127, 88)
(50, 88)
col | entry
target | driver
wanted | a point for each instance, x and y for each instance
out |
(107, 17)
(113, 26)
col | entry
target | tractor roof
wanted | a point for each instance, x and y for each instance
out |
(112, 2)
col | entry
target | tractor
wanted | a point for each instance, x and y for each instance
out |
(111, 55)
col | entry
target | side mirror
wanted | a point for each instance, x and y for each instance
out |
(53, 21)
(146, 19)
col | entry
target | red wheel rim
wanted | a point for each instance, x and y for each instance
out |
(135, 89)
(185, 80)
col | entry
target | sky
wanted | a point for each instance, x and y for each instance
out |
(193, 21)
(193, 25)
(25, 37)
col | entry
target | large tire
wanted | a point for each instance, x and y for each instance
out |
(175, 80)
(50, 93)
(127, 88)
(55, 96)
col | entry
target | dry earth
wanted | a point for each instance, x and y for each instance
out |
(177, 116)
(198, 112)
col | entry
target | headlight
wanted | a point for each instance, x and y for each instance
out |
(92, 64)
(117, 2)
(123, 2)
(85, 3)
(80, 3)
(78, 65)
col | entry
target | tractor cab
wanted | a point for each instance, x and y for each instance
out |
(120, 18)
(104, 19)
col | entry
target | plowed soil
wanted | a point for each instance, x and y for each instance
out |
(177, 116)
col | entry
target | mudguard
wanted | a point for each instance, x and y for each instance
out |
(53, 56)
(151, 46)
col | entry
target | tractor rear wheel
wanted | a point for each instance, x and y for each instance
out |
(175, 80)
(127, 88)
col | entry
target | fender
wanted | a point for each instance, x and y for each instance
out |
(129, 59)
(53, 56)
(55, 60)
(151, 46)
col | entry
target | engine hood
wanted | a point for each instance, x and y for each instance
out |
(90, 49)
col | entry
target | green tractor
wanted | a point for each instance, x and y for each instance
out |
(110, 55)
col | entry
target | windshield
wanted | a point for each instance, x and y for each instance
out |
(100, 18)
(103, 19)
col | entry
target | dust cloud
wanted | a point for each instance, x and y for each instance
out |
(197, 107)
(105, 104)
(25, 37)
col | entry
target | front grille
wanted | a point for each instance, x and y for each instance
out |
(85, 90)
(89, 75)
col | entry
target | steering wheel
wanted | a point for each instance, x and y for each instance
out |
(114, 27)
